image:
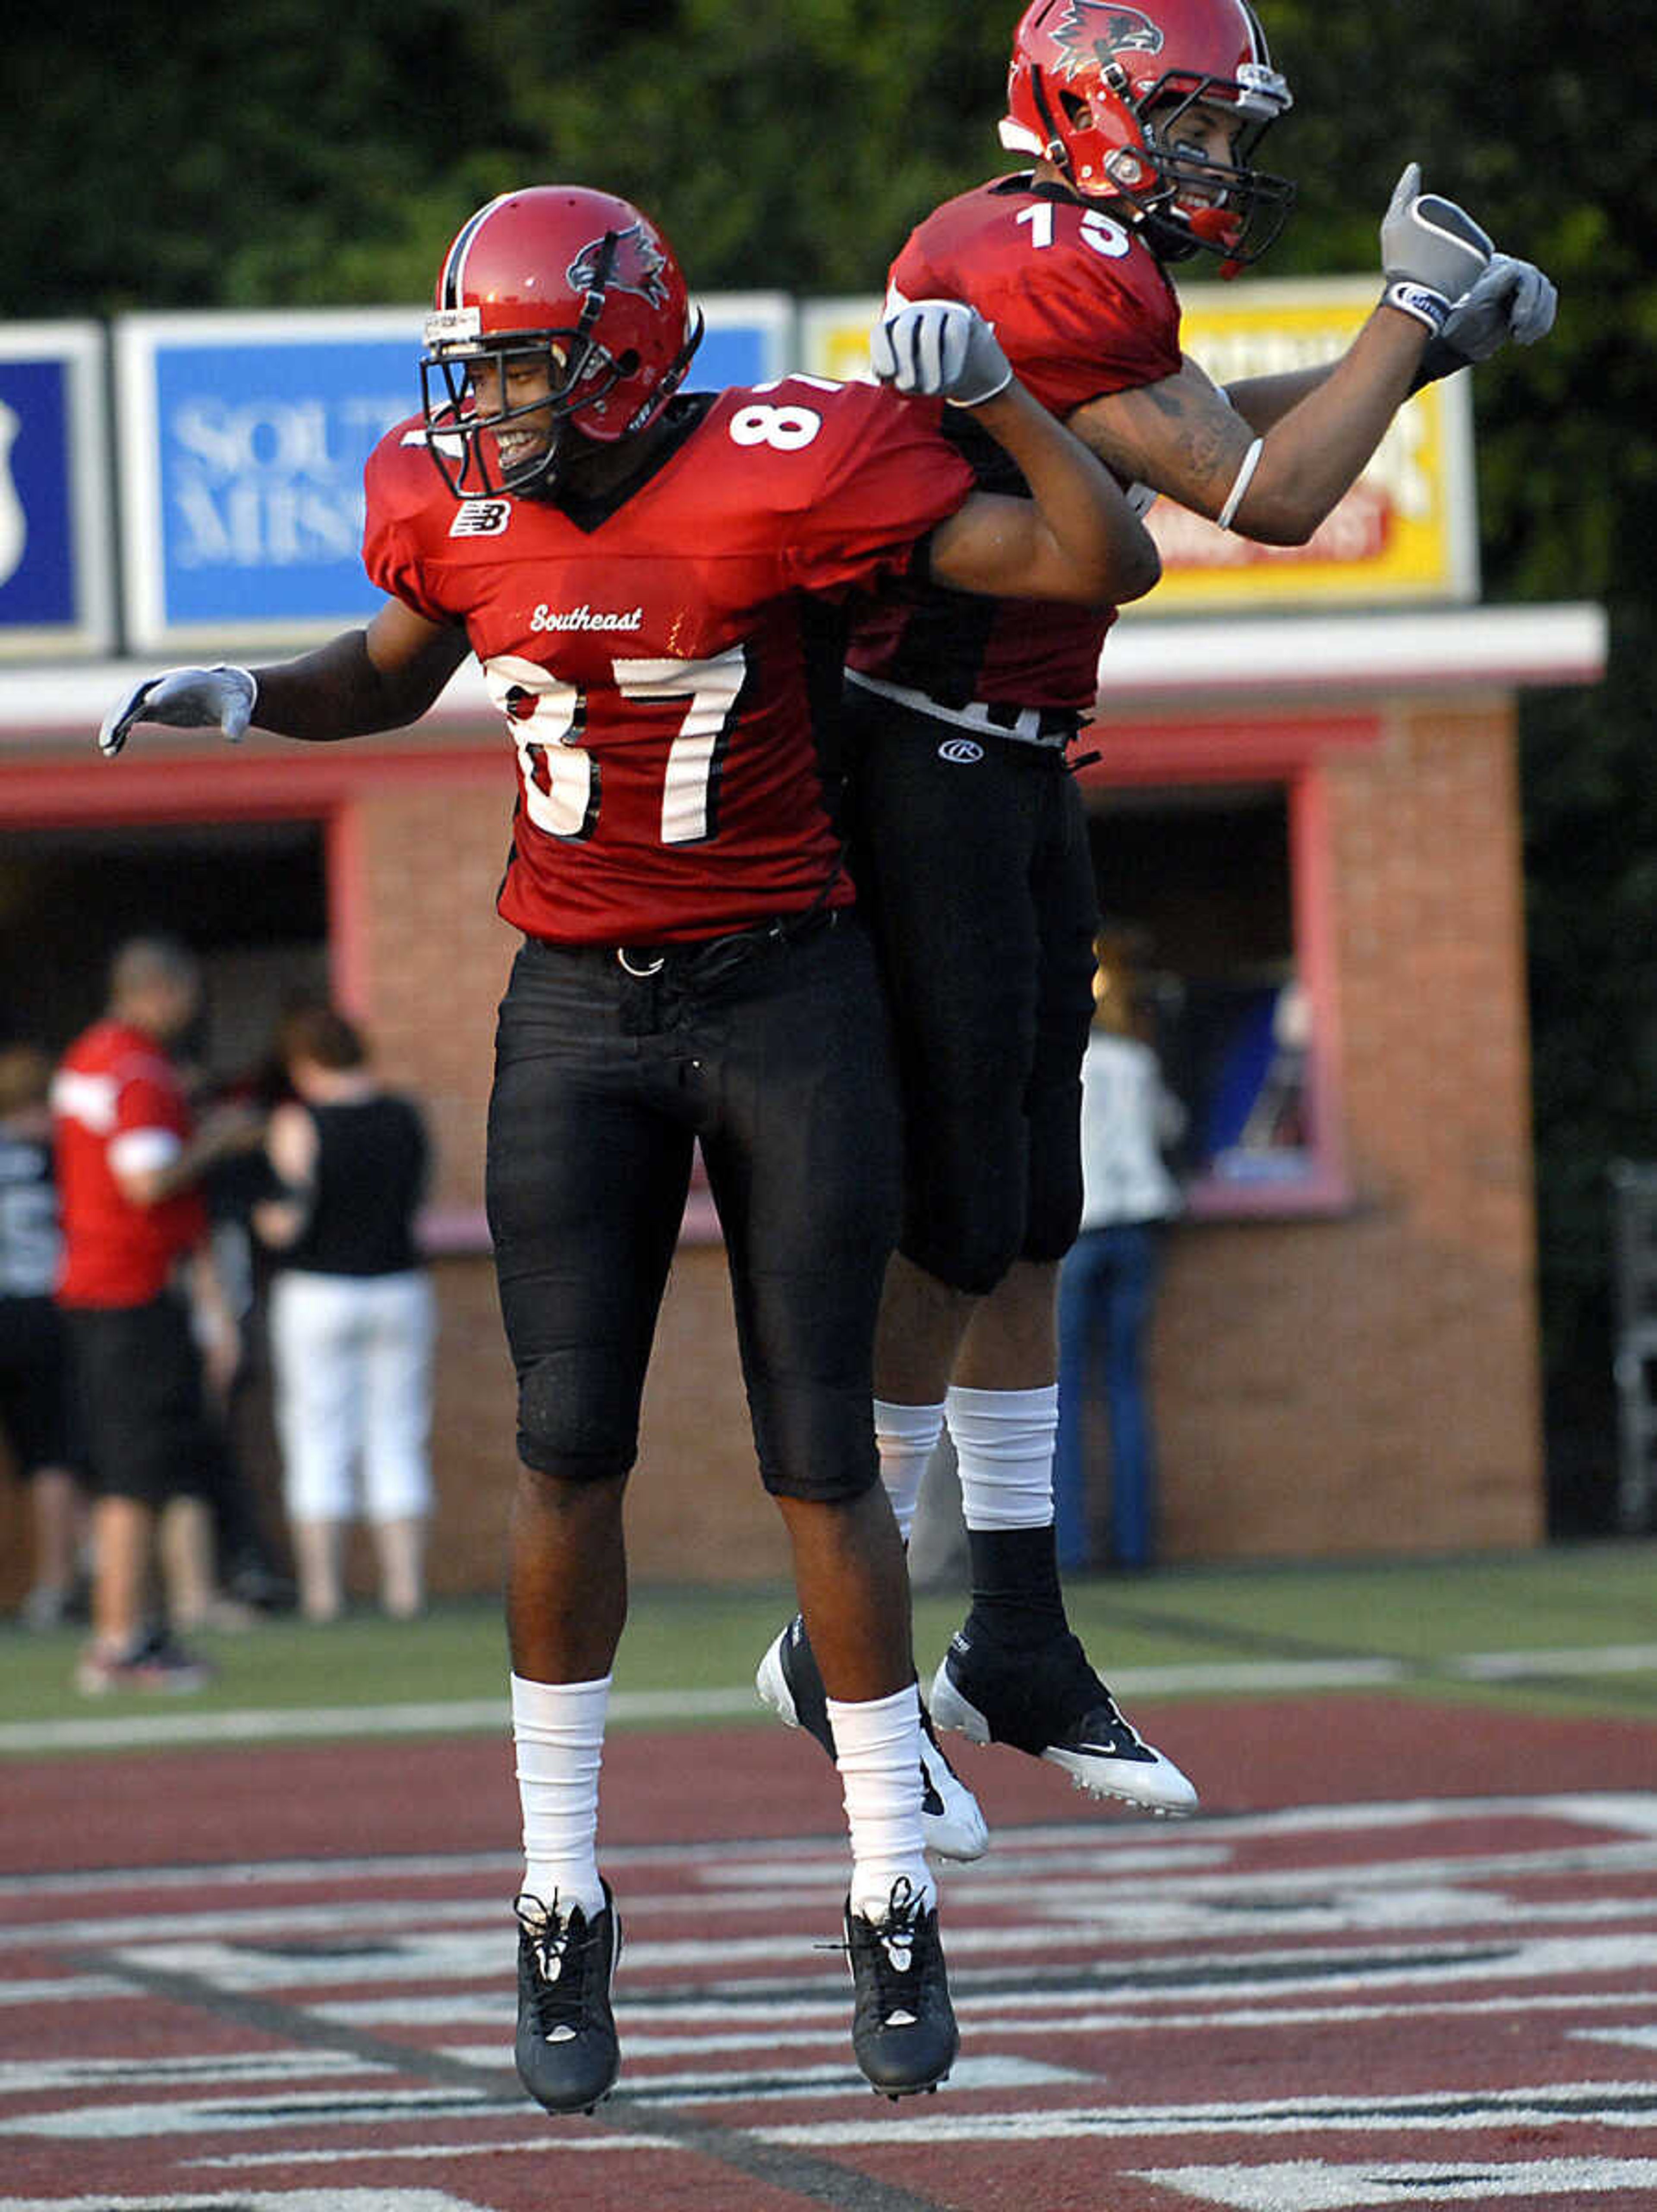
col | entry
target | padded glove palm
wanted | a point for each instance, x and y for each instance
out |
(183, 699)
(1432, 252)
(1512, 302)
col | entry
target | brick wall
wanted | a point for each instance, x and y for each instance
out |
(1370, 1383)
(434, 955)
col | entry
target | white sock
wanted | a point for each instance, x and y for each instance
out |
(1003, 1443)
(877, 1751)
(905, 1435)
(558, 1729)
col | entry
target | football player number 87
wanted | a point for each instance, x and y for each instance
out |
(561, 780)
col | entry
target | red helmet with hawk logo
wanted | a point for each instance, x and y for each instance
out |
(584, 285)
(1099, 90)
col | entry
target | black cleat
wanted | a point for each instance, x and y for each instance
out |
(903, 2031)
(566, 2052)
(951, 1824)
(1049, 1702)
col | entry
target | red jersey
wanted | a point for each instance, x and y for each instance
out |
(653, 657)
(1082, 308)
(117, 1098)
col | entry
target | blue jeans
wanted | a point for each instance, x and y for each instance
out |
(1106, 1288)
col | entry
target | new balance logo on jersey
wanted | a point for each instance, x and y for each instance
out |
(481, 518)
(585, 617)
(961, 749)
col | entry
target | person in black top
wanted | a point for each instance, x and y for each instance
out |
(352, 1315)
(35, 1412)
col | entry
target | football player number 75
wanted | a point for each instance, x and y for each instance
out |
(562, 781)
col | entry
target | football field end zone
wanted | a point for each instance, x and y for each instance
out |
(772, 2162)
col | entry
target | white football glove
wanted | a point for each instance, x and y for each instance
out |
(1512, 302)
(1432, 252)
(939, 349)
(184, 699)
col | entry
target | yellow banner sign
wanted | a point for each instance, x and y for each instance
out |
(1407, 531)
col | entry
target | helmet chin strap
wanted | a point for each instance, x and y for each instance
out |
(1218, 227)
(549, 479)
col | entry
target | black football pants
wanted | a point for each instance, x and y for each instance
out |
(773, 1054)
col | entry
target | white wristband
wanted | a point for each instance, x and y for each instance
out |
(1234, 498)
(1411, 298)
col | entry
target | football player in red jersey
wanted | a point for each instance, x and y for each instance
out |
(968, 838)
(150, 1327)
(644, 576)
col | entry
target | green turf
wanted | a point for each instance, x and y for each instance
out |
(1570, 1596)
(1423, 1614)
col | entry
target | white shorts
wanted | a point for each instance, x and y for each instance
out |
(351, 1356)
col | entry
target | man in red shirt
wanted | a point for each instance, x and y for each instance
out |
(138, 1287)
(649, 579)
(968, 839)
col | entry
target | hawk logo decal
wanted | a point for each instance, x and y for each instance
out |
(1092, 33)
(637, 265)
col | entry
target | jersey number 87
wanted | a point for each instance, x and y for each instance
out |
(562, 781)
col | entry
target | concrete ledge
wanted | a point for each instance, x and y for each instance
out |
(1146, 658)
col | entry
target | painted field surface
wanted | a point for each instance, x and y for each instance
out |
(1407, 1954)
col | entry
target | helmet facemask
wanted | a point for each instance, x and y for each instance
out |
(1195, 203)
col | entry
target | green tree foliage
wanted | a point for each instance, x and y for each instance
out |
(1543, 125)
(275, 156)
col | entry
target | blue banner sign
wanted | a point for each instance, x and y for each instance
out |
(243, 440)
(56, 543)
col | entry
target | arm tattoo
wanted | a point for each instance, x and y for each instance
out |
(1204, 442)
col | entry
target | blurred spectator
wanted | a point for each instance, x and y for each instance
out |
(1107, 1284)
(352, 1319)
(36, 1414)
(248, 1546)
(149, 1329)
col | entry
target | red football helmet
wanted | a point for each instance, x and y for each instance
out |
(582, 284)
(1098, 90)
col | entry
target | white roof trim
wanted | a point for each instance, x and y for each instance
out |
(1446, 649)
(1182, 662)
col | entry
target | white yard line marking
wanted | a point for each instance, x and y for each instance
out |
(744, 1863)
(1599, 2104)
(400, 2200)
(24, 2077)
(1077, 1886)
(987, 2017)
(289, 2200)
(474, 1716)
(1628, 2037)
(1319, 2186)
(431, 1717)
(1505, 1955)
(309, 2110)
